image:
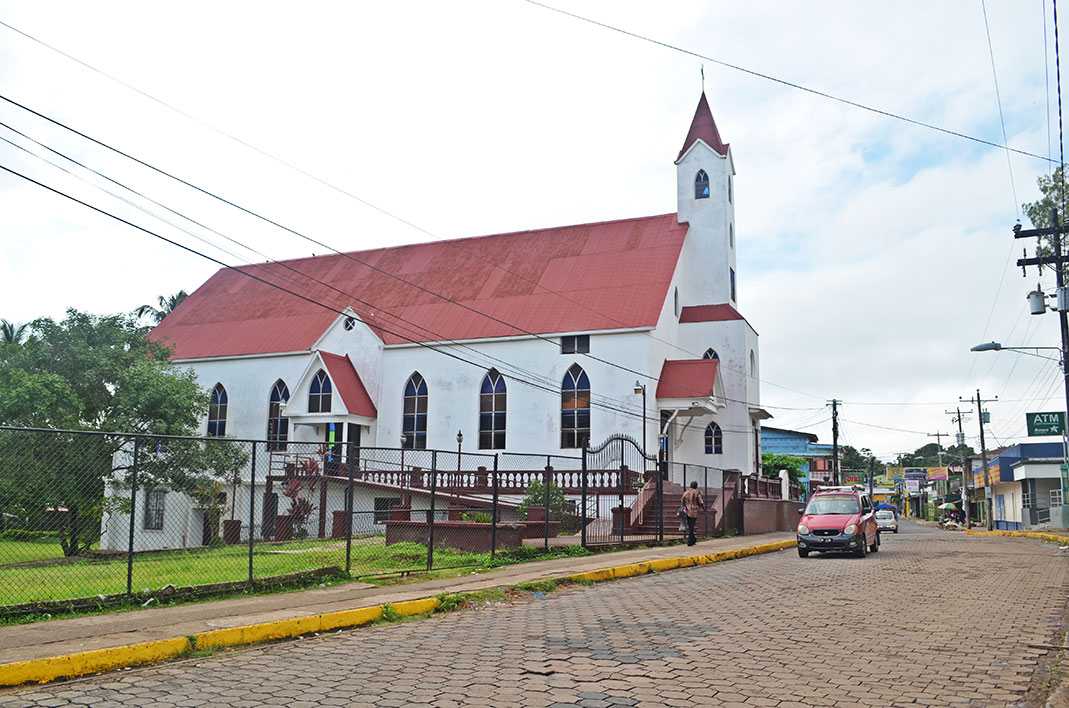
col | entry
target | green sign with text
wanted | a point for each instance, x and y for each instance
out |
(1045, 423)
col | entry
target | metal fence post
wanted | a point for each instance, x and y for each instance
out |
(708, 506)
(349, 508)
(547, 477)
(660, 504)
(133, 516)
(582, 512)
(252, 508)
(430, 512)
(493, 513)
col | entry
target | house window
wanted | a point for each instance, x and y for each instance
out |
(1055, 497)
(732, 272)
(575, 344)
(278, 425)
(575, 409)
(701, 185)
(384, 508)
(414, 423)
(154, 503)
(492, 407)
(1026, 500)
(710, 353)
(319, 393)
(217, 412)
(714, 440)
(1000, 507)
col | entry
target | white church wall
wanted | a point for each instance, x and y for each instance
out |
(706, 263)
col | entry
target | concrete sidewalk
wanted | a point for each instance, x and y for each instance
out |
(27, 650)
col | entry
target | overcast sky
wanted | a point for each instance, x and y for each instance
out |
(873, 253)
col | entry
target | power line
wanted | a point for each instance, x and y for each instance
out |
(998, 98)
(784, 82)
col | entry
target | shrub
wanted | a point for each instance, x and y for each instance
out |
(536, 496)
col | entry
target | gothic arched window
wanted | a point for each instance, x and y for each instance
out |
(701, 185)
(414, 421)
(217, 412)
(575, 408)
(714, 440)
(319, 393)
(492, 408)
(278, 425)
(710, 353)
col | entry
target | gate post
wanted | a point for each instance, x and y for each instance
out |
(349, 508)
(493, 513)
(547, 477)
(252, 508)
(582, 517)
(660, 504)
(430, 513)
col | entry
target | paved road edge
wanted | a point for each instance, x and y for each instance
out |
(1052, 537)
(100, 660)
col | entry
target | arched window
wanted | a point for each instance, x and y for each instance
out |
(319, 393)
(714, 440)
(492, 405)
(575, 408)
(278, 425)
(753, 363)
(731, 235)
(710, 353)
(414, 421)
(217, 412)
(675, 307)
(729, 189)
(701, 185)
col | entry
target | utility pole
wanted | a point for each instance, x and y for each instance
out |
(872, 465)
(939, 453)
(835, 440)
(1039, 307)
(965, 473)
(983, 460)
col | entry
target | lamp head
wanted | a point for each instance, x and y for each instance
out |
(987, 347)
(460, 437)
(639, 388)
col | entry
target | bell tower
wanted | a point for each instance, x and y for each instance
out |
(705, 173)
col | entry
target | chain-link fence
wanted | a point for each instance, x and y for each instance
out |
(87, 517)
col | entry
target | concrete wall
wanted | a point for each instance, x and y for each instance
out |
(767, 515)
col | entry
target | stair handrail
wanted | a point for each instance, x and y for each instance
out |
(639, 507)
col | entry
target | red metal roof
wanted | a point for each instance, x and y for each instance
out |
(703, 126)
(348, 385)
(687, 378)
(709, 313)
(607, 275)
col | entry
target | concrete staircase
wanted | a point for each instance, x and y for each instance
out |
(673, 496)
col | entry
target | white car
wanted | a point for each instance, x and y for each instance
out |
(886, 520)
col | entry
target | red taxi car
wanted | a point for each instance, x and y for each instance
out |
(839, 519)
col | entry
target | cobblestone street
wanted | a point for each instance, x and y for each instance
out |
(935, 618)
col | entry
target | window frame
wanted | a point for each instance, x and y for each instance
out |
(320, 393)
(155, 509)
(714, 439)
(217, 408)
(701, 185)
(1056, 497)
(493, 411)
(414, 421)
(278, 425)
(575, 344)
(575, 435)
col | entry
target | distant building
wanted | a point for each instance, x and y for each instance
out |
(818, 468)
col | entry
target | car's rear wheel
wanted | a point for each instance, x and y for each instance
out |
(802, 553)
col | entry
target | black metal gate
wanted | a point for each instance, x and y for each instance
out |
(622, 495)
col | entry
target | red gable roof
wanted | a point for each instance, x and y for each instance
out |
(703, 126)
(709, 313)
(348, 385)
(607, 275)
(688, 378)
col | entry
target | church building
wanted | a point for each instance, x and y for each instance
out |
(537, 341)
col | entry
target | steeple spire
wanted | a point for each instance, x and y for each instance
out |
(704, 127)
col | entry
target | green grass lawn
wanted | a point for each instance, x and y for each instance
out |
(151, 571)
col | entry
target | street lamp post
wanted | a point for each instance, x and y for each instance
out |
(460, 441)
(641, 388)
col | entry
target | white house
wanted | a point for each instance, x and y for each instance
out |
(529, 342)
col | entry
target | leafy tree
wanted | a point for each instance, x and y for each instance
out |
(772, 463)
(10, 333)
(854, 459)
(536, 496)
(90, 373)
(167, 306)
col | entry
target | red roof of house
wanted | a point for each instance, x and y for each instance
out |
(687, 378)
(348, 385)
(703, 126)
(709, 313)
(607, 275)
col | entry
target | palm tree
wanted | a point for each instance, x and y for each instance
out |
(10, 333)
(167, 305)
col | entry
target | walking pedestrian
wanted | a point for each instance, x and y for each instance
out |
(692, 502)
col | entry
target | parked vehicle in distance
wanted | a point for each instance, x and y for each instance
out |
(839, 519)
(886, 520)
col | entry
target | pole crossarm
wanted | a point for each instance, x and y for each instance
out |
(1043, 260)
(1032, 233)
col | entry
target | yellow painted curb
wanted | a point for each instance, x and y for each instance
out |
(98, 660)
(1053, 538)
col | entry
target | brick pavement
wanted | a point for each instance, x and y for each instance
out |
(772, 630)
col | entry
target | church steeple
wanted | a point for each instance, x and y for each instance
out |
(703, 127)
